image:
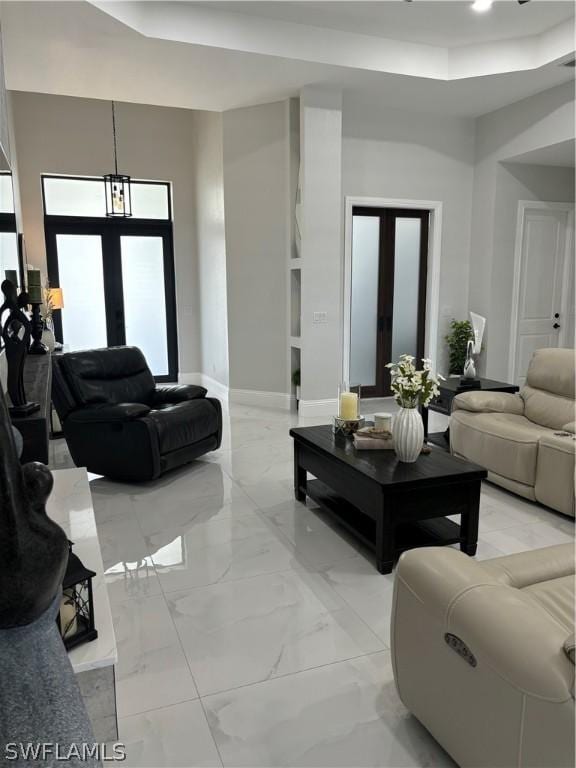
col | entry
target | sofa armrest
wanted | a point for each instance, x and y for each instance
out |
(489, 402)
(177, 393)
(503, 628)
(103, 414)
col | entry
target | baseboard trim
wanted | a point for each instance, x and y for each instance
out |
(314, 408)
(280, 400)
(215, 388)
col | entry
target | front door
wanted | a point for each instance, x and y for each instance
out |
(116, 275)
(543, 295)
(388, 292)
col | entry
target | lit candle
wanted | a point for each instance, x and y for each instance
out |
(348, 405)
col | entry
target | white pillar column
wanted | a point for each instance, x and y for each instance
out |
(321, 248)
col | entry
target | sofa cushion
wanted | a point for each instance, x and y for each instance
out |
(552, 370)
(546, 408)
(555, 471)
(549, 390)
(525, 569)
(504, 443)
(557, 598)
(114, 375)
(181, 424)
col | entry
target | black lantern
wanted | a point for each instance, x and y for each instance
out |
(117, 185)
(76, 617)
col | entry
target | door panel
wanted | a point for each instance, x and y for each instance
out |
(364, 307)
(542, 306)
(406, 287)
(118, 284)
(82, 281)
(388, 292)
(144, 306)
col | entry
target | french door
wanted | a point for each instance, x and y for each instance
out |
(388, 284)
(117, 279)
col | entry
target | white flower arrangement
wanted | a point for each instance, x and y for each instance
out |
(411, 387)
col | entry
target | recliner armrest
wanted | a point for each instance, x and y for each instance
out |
(177, 393)
(106, 413)
(503, 627)
(489, 402)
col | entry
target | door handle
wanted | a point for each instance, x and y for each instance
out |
(555, 326)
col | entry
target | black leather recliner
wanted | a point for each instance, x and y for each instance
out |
(119, 423)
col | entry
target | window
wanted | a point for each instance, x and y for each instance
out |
(75, 196)
(116, 275)
(8, 236)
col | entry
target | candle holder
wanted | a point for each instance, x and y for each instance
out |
(349, 419)
(347, 427)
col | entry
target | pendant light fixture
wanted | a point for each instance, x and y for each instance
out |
(117, 185)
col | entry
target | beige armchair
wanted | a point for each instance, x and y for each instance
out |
(483, 654)
(525, 441)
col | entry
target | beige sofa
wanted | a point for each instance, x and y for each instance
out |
(483, 654)
(516, 437)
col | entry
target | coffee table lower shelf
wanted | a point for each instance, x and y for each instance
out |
(435, 532)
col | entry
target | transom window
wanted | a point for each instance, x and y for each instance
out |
(77, 196)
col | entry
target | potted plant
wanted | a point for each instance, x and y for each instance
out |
(296, 382)
(411, 388)
(460, 334)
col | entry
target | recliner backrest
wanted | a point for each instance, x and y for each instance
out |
(549, 391)
(114, 375)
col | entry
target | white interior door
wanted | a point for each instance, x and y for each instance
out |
(543, 284)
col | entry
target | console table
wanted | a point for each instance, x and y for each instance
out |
(443, 403)
(70, 505)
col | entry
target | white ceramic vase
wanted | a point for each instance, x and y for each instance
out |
(408, 434)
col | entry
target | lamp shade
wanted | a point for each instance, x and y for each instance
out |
(55, 298)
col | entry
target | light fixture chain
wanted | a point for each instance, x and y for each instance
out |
(114, 137)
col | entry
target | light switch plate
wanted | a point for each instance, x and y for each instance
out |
(320, 317)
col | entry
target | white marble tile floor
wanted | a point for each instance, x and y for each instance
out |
(253, 631)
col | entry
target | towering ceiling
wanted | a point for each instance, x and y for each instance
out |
(432, 56)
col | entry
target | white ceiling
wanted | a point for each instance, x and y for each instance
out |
(432, 22)
(202, 56)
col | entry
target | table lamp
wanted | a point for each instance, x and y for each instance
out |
(55, 298)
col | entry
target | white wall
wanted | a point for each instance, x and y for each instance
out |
(321, 246)
(394, 153)
(60, 134)
(210, 241)
(528, 125)
(256, 198)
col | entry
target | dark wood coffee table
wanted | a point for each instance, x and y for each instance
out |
(388, 505)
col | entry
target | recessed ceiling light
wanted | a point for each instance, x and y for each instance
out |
(481, 5)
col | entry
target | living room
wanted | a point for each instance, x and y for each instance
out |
(274, 201)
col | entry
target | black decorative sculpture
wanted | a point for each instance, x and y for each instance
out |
(16, 338)
(37, 329)
(41, 701)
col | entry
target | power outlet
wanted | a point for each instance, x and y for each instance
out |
(320, 317)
